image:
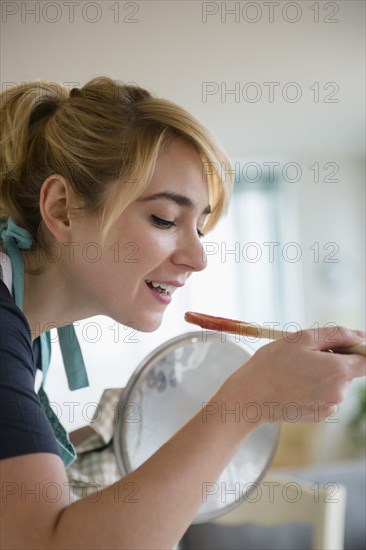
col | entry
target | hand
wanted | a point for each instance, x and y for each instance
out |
(298, 374)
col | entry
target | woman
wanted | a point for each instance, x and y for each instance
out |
(111, 165)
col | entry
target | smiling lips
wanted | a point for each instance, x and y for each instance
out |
(163, 288)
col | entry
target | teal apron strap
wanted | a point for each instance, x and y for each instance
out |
(72, 357)
(13, 238)
(66, 449)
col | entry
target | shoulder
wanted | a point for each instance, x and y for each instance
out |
(17, 364)
(16, 348)
(12, 320)
(24, 427)
(14, 327)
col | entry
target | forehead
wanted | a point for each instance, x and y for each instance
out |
(179, 169)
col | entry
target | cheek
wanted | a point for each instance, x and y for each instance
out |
(155, 249)
(130, 253)
(135, 249)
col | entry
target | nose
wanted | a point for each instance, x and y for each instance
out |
(190, 253)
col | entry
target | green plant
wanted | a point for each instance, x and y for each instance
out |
(357, 422)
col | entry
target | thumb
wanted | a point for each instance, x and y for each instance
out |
(339, 339)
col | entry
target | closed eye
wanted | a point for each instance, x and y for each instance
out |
(167, 224)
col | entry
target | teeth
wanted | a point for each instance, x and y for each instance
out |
(167, 288)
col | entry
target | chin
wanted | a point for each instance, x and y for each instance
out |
(150, 325)
(145, 324)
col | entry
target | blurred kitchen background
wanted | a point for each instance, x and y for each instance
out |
(281, 85)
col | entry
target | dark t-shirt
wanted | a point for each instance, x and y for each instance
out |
(24, 427)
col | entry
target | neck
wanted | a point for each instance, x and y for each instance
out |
(50, 297)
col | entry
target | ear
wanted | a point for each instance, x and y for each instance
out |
(55, 203)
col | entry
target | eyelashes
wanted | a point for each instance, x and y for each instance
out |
(167, 224)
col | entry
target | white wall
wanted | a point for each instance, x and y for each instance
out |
(179, 51)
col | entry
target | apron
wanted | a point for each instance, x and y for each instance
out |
(13, 238)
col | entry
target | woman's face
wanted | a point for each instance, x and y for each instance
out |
(155, 240)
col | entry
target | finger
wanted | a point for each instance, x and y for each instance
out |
(360, 333)
(356, 366)
(358, 348)
(333, 337)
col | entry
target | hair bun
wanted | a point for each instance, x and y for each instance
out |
(75, 92)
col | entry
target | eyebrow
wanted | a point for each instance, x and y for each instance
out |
(181, 200)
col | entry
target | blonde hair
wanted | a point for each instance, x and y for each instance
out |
(104, 139)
